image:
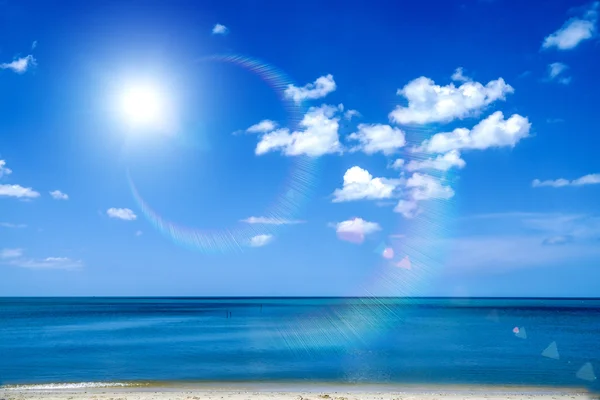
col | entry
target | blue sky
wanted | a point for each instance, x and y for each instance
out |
(433, 148)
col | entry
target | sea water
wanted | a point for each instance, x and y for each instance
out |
(87, 341)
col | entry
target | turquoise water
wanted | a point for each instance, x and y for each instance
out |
(420, 341)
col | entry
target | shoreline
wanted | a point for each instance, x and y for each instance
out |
(284, 391)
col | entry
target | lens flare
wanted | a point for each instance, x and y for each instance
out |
(294, 193)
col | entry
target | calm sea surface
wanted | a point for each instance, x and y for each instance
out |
(463, 341)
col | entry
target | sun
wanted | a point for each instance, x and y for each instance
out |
(143, 105)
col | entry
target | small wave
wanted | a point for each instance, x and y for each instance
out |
(78, 385)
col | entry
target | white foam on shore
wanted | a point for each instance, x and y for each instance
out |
(62, 386)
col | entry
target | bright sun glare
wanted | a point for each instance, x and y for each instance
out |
(142, 105)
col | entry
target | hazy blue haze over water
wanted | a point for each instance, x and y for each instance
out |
(464, 341)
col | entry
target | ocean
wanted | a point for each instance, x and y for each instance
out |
(549, 342)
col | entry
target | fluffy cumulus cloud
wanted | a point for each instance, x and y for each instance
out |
(420, 187)
(428, 102)
(260, 240)
(590, 179)
(359, 184)
(271, 221)
(121, 213)
(58, 195)
(375, 138)
(355, 230)
(220, 29)
(556, 72)
(18, 191)
(4, 170)
(311, 91)
(263, 126)
(493, 131)
(574, 31)
(318, 135)
(20, 65)
(442, 162)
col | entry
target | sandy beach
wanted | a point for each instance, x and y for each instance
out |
(317, 393)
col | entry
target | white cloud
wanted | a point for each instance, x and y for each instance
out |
(459, 76)
(11, 225)
(494, 131)
(34, 44)
(556, 73)
(428, 102)
(20, 65)
(408, 208)
(271, 221)
(58, 195)
(260, 240)
(590, 179)
(18, 191)
(219, 29)
(263, 126)
(11, 253)
(15, 258)
(319, 135)
(139, 233)
(4, 170)
(355, 230)
(351, 114)
(421, 187)
(47, 263)
(397, 164)
(425, 187)
(375, 138)
(121, 213)
(320, 88)
(441, 163)
(359, 184)
(574, 31)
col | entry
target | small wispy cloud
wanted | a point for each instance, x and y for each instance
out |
(20, 65)
(4, 170)
(11, 225)
(271, 221)
(261, 240)
(15, 257)
(349, 114)
(58, 195)
(590, 179)
(18, 191)
(574, 31)
(263, 126)
(10, 253)
(220, 29)
(139, 233)
(556, 72)
(121, 213)
(459, 75)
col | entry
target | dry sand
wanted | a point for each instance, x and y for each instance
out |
(317, 393)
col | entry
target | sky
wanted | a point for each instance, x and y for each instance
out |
(247, 148)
